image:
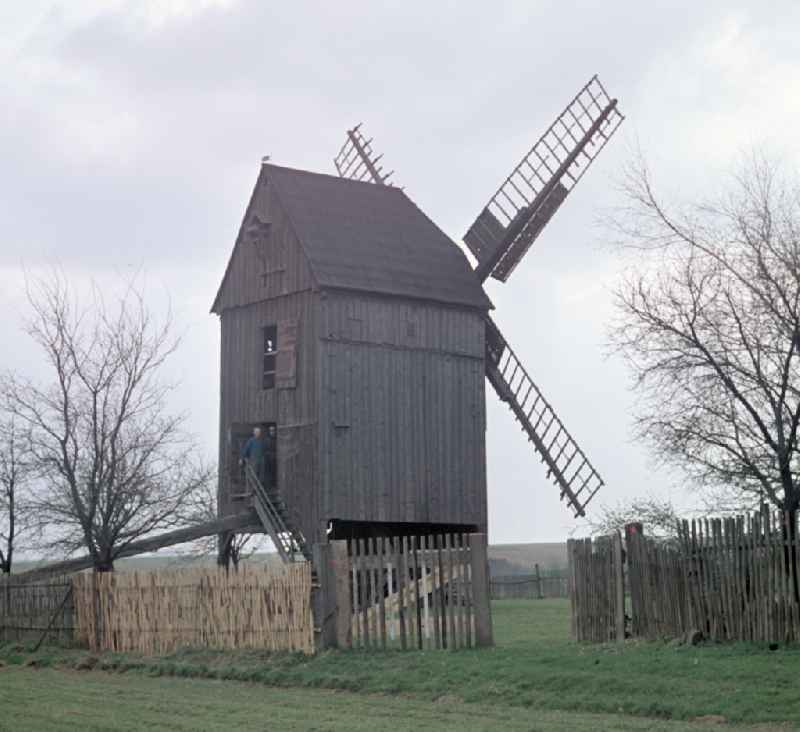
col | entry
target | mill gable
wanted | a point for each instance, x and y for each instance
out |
(355, 327)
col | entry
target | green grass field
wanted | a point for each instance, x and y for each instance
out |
(535, 679)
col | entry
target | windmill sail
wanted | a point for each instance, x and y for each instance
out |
(357, 160)
(567, 465)
(532, 193)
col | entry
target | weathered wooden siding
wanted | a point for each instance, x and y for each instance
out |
(402, 411)
(294, 410)
(271, 268)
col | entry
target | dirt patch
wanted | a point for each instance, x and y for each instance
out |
(449, 700)
(87, 663)
(710, 719)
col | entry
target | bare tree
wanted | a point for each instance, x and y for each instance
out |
(656, 514)
(16, 517)
(709, 324)
(114, 464)
(202, 507)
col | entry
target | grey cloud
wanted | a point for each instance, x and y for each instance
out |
(126, 143)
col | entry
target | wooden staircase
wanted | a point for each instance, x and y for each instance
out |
(567, 465)
(288, 540)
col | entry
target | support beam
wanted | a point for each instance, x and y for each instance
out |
(242, 522)
(484, 636)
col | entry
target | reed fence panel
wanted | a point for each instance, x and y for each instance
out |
(157, 612)
(28, 610)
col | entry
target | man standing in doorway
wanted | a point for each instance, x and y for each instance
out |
(254, 452)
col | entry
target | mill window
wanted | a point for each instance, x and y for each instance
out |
(270, 334)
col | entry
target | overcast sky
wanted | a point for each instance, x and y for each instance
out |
(131, 135)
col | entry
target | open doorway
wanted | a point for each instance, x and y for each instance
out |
(238, 435)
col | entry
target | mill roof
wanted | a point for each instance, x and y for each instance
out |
(362, 236)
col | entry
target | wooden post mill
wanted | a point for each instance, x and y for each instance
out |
(356, 334)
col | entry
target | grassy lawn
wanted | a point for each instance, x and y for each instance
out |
(50, 699)
(535, 676)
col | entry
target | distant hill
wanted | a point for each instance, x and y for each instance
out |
(521, 558)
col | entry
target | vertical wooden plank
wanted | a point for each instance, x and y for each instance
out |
(340, 565)
(460, 590)
(781, 521)
(795, 575)
(573, 619)
(398, 592)
(411, 608)
(322, 598)
(416, 589)
(468, 594)
(746, 577)
(356, 607)
(426, 587)
(364, 586)
(750, 554)
(619, 599)
(380, 551)
(769, 545)
(450, 598)
(484, 636)
(758, 590)
(435, 585)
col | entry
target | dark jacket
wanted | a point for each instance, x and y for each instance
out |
(254, 451)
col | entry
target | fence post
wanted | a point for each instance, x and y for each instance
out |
(480, 587)
(573, 623)
(321, 597)
(619, 583)
(539, 593)
(331, 603)
(340, 569)
(5, 585)
(95, 640)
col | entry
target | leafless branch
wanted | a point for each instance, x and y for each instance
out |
(709, 325)
(114, 464)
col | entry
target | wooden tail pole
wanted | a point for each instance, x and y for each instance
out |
(247, 521)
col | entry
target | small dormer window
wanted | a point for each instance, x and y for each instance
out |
(270, 336)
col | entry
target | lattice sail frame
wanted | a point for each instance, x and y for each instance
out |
(567, 464)
(511, 221)
(530, 195)
(357, 160)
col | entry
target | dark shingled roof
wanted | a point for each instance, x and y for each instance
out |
(362, 236)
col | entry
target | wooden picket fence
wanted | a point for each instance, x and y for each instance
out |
(596, 582)
(156, 612)
(731, 579)
(406, 592)
(742, 577)
(656, 573)
(31, 610)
